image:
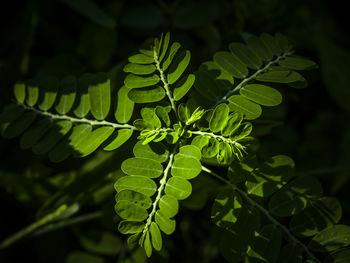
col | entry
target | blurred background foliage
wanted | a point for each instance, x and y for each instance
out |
(73, 37)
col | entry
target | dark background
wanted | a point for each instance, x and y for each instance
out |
(51, 37)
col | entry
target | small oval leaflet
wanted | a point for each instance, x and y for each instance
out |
(185, 167)
(178, 187)
(168, 205)
(140, 184)
(261, 94)
(143, 167)
(165, 224)
(249, 109)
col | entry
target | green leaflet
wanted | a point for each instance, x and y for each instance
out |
(165, 224)
(297, 63)
(130, 227)
(219, 118)
(93, 141)
(134, 81)
(138, 69)
(226, 208)
(132, 205)
(100, 96)
(261, 94)
(258, 46)
(140, 184)
(143, 167)
(246, 55)
(32, 93)
(331, 238)
(164, 47)
(233, 244)
(178, 187)
(282, 42)
(270, 41)
(183, 86)
(121, 136)
(65, 147)
(171, 54)
(50, 87)
(280, 76)
(156, 236)
(231, 63)
(189, 151)
(168, 206)
(154, 151)
(52, 137)
(147, 95)
(83, 99)
(249, 109)
(318, 215)
(270, 176)
(150, 117)
(266, 245)
(130, 211)
(185, 167)
(233, 122)
(225, 154)
(178, 67)
(135, 197)
(295, 196)
(68, 87)
(211, 149)
(19, 125)
(141, 59)
(163, 114)
(35, 133)
(200, 141)
(125, 106)
(19, 91)
(11, 113)
(147, 245)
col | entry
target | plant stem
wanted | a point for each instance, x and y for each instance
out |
(78, 120)
(159, 190)
(27, 230)
(224, 139)
(165, 83)
(265, 212)
(253, 76)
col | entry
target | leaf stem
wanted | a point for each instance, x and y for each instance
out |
(253, 76)
(78, 120)
(265, 212)
(227, 140)
(165, 83)
(159, 191)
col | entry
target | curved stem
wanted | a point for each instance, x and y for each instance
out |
(78, 120)
(253, 76)
(265, 212)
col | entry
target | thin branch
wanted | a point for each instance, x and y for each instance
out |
(159, 190)
(253, 76)
(78, 120)
(165, 83)
(265, 212)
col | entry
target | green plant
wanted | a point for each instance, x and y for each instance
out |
(178, 141)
